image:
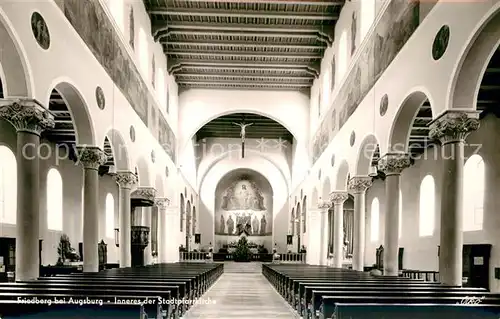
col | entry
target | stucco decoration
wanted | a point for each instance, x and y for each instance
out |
(26, 115)
(132, 133)
(384, 104)
(392, 31)
(100, 98)
(338, 197)
(324, 204)
(394, 163)
(91, 156)
(126, 179)
(454, 126)
(440, 43)
(359, 184)
(40, 30)
(96, 30)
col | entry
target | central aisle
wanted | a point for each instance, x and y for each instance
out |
(242, 292)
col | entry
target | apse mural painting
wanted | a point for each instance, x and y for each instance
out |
(243, 209)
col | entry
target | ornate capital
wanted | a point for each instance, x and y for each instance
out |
(26, 115)
(454, 125)
(126, 179)
(147, 193)
(162, 202)
(324, 205)
(338, 197)
(394, 163)
(91, 156)
(359, 184)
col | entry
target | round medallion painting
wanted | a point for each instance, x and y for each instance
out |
(99, 96)
(384, 104)
(40, 30)
(132, 134)
(352, 138)
(441, 42)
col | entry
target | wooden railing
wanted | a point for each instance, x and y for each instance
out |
(193, 256)
(426, 275)
(293, 258)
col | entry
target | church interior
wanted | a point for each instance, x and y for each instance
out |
(242, 158)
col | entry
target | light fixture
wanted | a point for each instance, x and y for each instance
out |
(373, 171)
(117, 237)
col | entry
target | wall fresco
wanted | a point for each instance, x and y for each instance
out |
(96, 30)
(398, 23)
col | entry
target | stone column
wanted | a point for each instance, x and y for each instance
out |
(162, 204)
(91, 157)
(451, 129)
(392, 164)
(146, 221)
(30, 119)
(358, 186)
(338, 198)
(324, 206)
(125, 180)
(314, 225)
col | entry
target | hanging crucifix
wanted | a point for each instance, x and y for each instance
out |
(243, 126)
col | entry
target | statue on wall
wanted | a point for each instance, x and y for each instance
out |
(222, 224)
(230, 225)
(255, 225)
(263, 224)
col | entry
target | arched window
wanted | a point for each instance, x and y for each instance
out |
(110, 216)
(54, 200)
(143, 52)
(131, 28)
(427, 206)
(153, 72)
(400, 213)
(168, 97)
(343, 56)
(367, 17)
(160, 90)
(473, 197)
(326, 89)
(118, 12)
(375, 219)
(8, 186)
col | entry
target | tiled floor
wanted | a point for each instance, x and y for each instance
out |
(242, 292)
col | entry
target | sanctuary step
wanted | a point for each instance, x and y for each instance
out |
(118, 293)
(243, 267)
(325, 292)
(242, 295)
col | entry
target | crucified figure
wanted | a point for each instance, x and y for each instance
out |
(243, 131)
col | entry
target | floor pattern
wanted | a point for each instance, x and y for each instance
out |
(242, 292)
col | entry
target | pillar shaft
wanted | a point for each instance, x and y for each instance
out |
(338, 198)
(314, 230)
(451, 129)
(91, 157)
(125, 180)
(162, 204)
(172, 234)
(358, 185)
(392, 164)
(331, 229)
(146, 221)
(30, 119)
(324, 206)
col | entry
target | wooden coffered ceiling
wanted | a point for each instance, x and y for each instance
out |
(244, 44)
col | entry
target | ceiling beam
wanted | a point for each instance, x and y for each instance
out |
(246, 55)
(190, 12)
(184, 87)
(246, 45)
(176, 65)
(244, 68)
(242, 83)
(287, 2)
(215, 75)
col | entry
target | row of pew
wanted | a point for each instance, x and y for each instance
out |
(325, 292)
(163, 291)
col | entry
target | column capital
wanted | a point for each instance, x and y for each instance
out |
(324, 205)
(162, 202)
(91, 156)
(359, 184)
(338, 197)
(454, 125)
(394, 163)
(144, 192)
(26, 115)
(125, 179)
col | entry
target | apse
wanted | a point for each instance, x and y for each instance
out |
(243, 207)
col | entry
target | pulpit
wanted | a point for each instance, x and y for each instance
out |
(140, 240)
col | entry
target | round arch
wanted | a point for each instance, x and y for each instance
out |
(119, 149)
(190, 134)
(15, 72)
(248, 154)
(78, 108)
(292, 221)
(182, 209)
(470, 68)
(342, 176)
(304, 214)
(399, 134)
(365, 154)
(298, 209)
